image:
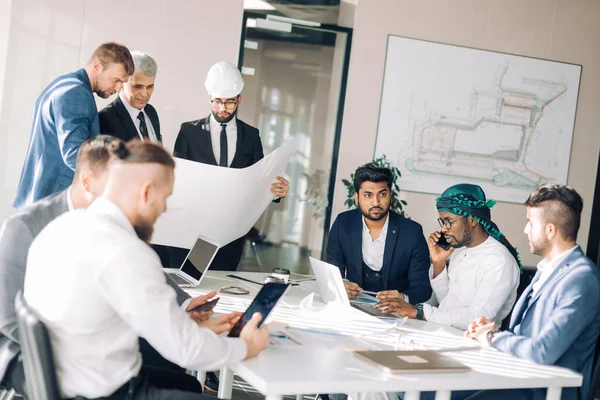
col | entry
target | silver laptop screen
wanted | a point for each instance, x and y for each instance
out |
(199, 258)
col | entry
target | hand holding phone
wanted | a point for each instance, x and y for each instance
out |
(442, 242)
(209, 305)
(263, 303)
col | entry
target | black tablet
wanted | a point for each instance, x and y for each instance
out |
(263, 303)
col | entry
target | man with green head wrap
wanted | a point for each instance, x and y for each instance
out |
(483, 273)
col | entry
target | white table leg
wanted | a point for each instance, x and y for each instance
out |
(226, 383)
(442, 395)
(353, 396)
(553, 393)
(201, 376)
(299, 397)
(273, 397)
(412, 395)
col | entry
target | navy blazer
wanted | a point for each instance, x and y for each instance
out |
(405, 258)
(116, 121)
(64, 116)
(560, 324)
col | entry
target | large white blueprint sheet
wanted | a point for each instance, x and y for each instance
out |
(221, 204)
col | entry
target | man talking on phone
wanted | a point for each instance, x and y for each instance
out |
(483, 272)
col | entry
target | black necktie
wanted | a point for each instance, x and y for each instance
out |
(143, 127)
(223, 158)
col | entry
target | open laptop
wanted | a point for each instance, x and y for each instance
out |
(195, 265)
(331, 286)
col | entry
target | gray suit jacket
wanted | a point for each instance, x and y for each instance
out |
(560, 323)
(16, 235)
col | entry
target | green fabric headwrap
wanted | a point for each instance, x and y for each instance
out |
(469, 200)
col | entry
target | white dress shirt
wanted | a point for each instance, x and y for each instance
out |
(372, 250)
(134, 112)
(97, 287)
(547, 267)
(480, 281)
(215, 138)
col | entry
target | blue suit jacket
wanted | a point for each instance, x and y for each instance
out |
(561, 322)
(65, 115)
(405, 257)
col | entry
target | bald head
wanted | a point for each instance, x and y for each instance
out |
(140, 179)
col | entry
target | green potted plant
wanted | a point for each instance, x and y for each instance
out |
(396, 205)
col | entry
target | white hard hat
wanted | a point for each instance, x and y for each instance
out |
(224, 81)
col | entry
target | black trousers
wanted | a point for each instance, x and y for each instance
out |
(140, 388)
(160, 373)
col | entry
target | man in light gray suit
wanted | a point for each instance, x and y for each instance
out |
(17, 234)
(556, 321)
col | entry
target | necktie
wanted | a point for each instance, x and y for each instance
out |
(143, 127)
(223, 157)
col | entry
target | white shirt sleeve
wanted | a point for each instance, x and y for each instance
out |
(134, 284)
(495, 286)
(439, 284)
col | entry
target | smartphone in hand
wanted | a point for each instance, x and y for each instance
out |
(443, 243)
(264, 302)
(209, 305)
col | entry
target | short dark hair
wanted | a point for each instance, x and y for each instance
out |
(372, 173)
(114, 53)
(93, 153)
(140, 152)
(562, 207)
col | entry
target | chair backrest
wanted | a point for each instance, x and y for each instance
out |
(38, 362)
(595, 384)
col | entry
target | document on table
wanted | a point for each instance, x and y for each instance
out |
(221, 204)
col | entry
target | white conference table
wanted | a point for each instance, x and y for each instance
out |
(325, 366)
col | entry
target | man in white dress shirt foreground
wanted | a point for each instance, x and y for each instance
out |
(98, 286)
(483, 274)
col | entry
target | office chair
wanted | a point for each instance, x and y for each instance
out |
(595, 384)
(36, 351)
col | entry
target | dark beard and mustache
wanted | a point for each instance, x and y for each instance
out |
(224, 120)
(144, 230)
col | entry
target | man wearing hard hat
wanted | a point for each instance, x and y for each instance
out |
(224, 140)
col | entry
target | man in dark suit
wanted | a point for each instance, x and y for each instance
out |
(376, 249)
(222, 139)
(130, 116)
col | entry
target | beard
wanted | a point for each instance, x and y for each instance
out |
(539, 248)
(372, 217)
(466, 239)
(144, 230)
(226, 119)
(103, 94)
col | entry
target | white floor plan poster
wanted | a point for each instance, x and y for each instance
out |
(453, 114)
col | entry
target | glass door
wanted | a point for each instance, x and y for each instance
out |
(295, 74)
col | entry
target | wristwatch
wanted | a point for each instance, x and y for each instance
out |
(420, 314)
(490, 335)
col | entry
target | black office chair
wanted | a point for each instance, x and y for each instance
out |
(36, 351)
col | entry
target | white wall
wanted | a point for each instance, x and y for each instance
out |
(562, 30)
(47, 38)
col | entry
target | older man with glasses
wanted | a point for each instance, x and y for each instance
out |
(482, 275)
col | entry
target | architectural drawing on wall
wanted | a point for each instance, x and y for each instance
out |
(453, 114)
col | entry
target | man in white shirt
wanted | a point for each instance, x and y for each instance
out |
(556, 321)
(483, 272)
(97, 286)
(130, 115)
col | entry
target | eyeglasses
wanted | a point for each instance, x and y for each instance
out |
(229, 105)
(233, 290)
(447, 223)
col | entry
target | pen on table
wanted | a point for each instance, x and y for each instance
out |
(286, 337)
(362, 290)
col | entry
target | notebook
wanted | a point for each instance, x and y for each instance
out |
(413, 361)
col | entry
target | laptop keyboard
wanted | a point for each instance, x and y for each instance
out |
(180, 280)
